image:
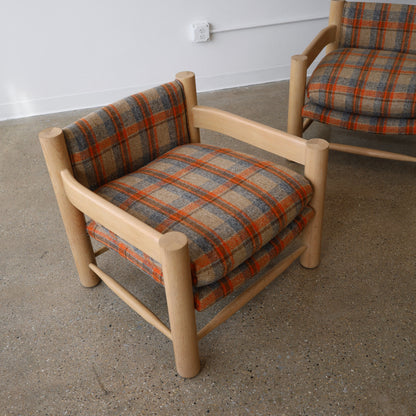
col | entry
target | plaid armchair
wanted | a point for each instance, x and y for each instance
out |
(366, 81)
(200, 220)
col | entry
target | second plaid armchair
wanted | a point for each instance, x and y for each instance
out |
(367, 80)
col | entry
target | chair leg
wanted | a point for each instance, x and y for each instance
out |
(57, 159)
(297, 87)
(315, 170)
(80, 244)
(178, 285)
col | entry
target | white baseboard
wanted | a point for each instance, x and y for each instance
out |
(95, 99)
(63, 103)
(240, 79)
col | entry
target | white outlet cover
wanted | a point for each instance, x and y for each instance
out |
(200, 32)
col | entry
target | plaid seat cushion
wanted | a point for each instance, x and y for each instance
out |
(229, 205)
(206, 296)
(379, 26)
(359, 122)
(122, 137)
(368, 82)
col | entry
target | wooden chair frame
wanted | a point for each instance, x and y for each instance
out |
(171, 249)
(328, 37)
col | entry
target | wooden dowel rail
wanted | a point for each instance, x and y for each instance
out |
(251, 132)
(100, 251)
(249, 294)
(324, 37)
(306, 123)
(132, 301)
(365, 151)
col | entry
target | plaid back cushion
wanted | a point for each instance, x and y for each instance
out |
(228, 204)
(379, 26)
(122, 137)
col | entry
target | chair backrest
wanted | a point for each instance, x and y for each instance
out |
(379, 26)
(122, 137)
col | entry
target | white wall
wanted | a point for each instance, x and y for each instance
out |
(61, 55)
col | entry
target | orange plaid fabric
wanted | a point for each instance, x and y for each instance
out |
(359, 122)
(122, 137)
(206, 296)
(238, 213)
(369, 83)
(391, 27)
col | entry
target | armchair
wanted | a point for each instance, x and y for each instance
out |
(367, 79)
(200, 220)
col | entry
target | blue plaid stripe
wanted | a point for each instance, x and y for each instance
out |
(122, 137)
(368, 82)
(192, 189)
(379, 26)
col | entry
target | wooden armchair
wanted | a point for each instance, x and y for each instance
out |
(200, 220)
(367, 80)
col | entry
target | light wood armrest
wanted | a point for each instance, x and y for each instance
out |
(298, 74)
(251, 132)
(322, 39)
(129, 228)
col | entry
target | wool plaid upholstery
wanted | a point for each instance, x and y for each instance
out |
(359, 122)
(379, 26)
(230, 206)
(206, 296)
(122, 137)
(369, 82)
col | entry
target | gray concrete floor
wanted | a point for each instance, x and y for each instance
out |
(337, 340)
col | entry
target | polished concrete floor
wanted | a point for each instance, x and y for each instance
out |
(336, 340)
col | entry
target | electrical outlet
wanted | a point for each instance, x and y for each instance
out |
(200, 32)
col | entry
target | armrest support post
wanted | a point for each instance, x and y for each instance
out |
(178, 285)
(316, 171)
(56, 155)
(298, 75)
(187, 79)
(335, 17)
(297, 87)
